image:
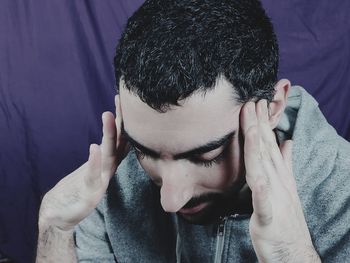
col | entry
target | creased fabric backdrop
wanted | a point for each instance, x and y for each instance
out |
(56, 78)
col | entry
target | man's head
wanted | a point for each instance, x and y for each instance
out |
(184, 70)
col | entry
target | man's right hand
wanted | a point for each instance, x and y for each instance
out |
(77, 195)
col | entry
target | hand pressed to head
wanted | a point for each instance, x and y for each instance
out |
(277, 226)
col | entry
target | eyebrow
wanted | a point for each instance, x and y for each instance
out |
(210, 146)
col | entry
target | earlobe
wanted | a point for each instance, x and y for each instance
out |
(279, 102)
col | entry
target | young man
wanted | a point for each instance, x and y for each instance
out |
(207, 171)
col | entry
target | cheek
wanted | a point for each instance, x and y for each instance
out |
(222, 175)
(214, 178)
(229, 171)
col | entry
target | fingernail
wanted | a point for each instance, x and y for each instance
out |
(251, 106)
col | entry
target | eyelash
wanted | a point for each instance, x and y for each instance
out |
(141, 155)
(210, 163)
(207, 163)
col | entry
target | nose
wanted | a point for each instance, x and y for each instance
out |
(176, 190)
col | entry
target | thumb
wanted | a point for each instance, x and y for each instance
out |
(92, 177)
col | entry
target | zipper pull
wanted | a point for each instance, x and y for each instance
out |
(234, 216)
(221, 229)
(221, 226)
(220, 240)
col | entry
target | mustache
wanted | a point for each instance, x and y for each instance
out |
(197, 200)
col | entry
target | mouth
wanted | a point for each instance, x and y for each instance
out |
(193, 210)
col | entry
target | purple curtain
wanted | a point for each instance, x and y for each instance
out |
(56, 78)
(314, 38)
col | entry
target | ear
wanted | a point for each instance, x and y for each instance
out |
(279, 102)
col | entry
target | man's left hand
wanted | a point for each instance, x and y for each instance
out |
(277, 227)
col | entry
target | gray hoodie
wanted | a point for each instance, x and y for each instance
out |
(129, 224)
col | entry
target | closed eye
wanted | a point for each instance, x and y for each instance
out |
(196, 160)
(209, 162)
(141, 154)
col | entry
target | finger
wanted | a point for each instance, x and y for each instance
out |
(109, 135)
(267, 134)
(261, 203)
(251, 135)
(108, 148)
(262, 111)
(264, 123)
(92, 177)
(252, 157)
(248, 117)
(268, 142)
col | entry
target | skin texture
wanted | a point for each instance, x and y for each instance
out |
(277, 227)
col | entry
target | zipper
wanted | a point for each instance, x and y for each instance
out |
(220, 236)
(235, 216)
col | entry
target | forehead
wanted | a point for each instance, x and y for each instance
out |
(200, 118)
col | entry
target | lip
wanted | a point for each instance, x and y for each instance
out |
(193, 210)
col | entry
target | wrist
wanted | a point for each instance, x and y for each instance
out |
(304, 253)
(310, 255)
(48, 219)
(47, 231)
(290, 253)
(55, 243)
(47, 223)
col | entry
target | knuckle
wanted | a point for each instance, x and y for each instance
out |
(265, 219)
(264, 155)
(251, 133)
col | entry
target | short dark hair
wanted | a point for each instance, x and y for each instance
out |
(171, 48)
